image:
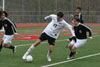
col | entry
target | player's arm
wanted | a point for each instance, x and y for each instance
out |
(88, 30)
(50, 16)
(14, 26)
(68, 26)
(0, 25)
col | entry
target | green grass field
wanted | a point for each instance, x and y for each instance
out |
(8, 59)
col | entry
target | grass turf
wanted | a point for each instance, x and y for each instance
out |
(7, 59)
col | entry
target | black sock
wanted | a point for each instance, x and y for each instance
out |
(0, 46)
(72, 54)
(11, 47)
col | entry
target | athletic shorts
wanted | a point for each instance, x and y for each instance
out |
(7, 39)
(44, 37)
(78, 43)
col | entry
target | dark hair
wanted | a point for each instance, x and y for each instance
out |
(76, 16)
(77, 19)
(79, 8)
(6, 14)
(60, 14)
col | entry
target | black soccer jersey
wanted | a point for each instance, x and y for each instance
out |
(80, 17)
(9, 26)
(81, 31)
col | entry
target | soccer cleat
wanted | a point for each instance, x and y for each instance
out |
(69, 58)
(49, 58)
(0, 50)
(14, 50)
(24, 57)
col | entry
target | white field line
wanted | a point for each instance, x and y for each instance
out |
(71, 60)
(47, 42)
(41, 43)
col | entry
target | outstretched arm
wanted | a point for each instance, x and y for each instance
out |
(88, 30)
(68, 26)
(0, 25)
(50, 16)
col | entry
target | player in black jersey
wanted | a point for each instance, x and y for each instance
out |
(10, 30)
(78, 14)
(80, 31)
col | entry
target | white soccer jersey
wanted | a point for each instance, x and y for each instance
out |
(54, 27)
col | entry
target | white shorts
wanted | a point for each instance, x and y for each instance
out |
(79, 43)
(7, 39)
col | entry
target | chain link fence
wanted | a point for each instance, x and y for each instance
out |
(33, 11)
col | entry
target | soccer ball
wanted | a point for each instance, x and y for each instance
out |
(29, 58)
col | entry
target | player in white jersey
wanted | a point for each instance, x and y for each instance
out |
(51, 33)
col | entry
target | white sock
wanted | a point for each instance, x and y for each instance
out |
(29, 50)
(48, 53)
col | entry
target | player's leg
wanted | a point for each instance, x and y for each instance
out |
(71, 44)
(42, 38)
(31, 48)
(72, 53)
(78, 44)
(4, 37)
(9, 46)
(1, 45)
(49, 52)
(7, 41)
(51, 42)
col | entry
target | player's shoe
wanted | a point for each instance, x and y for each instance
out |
(14, 50)
(0, 50)
(49, 58)
(24, 57)
(69, 58)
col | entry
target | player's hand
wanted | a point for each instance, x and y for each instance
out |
(15, 33)
(74, 38)
(71, 15)
(91, 38)
(69, 39)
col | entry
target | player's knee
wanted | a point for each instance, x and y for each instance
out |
(73, 48)
(37, 43)
(70, 46)
(51, 50)
(3, 45)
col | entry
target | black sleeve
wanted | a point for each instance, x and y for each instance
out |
(13, 25)
(88, 30)
(15, 28)
(81, 20)
(0, 25)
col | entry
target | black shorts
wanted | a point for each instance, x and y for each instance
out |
(44, 37)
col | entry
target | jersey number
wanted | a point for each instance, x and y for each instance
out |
(55, 25)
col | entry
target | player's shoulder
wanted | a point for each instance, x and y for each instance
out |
(63, 21)
(83, 25)
(53, 15)
(7, 19)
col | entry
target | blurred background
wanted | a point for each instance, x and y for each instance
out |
(33, 11)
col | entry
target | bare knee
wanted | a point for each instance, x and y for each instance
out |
(37, 43)
(51, 48)
(73, 49)
(70, 46)
(3, 45)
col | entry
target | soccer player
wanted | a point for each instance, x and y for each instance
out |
(81, 37)
(79, 14)
(51, 33)
(10, 29)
